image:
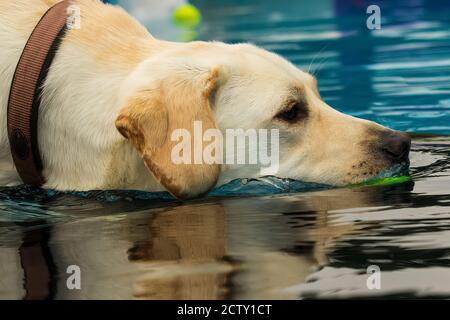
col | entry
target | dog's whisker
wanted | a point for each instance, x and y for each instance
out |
(315, 56)
(320, 65)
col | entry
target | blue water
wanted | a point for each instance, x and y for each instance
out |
(268, 238)
(398, 76)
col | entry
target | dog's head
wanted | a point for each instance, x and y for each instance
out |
(240, 86)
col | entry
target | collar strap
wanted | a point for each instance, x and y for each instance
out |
(26, 90)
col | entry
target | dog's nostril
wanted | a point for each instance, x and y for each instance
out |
(396, 145)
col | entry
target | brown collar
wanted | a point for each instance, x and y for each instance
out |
(26, 90)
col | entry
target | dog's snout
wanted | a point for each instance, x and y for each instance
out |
(395, 145)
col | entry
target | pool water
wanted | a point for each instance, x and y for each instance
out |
(398, 76)
(269, 238)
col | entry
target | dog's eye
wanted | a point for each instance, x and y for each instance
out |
(293, 113)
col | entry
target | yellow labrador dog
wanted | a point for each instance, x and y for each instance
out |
(114, 95)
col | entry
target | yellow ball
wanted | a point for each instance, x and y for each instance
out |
(187, 15)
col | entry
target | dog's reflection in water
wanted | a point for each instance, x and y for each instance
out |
(243, 248)
(230, 248)
(187, 248)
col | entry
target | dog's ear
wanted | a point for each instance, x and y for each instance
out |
(149, 118)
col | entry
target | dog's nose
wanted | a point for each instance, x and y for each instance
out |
(395, 145)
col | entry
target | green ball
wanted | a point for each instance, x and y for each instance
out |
(388, 181)
(187, 15)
